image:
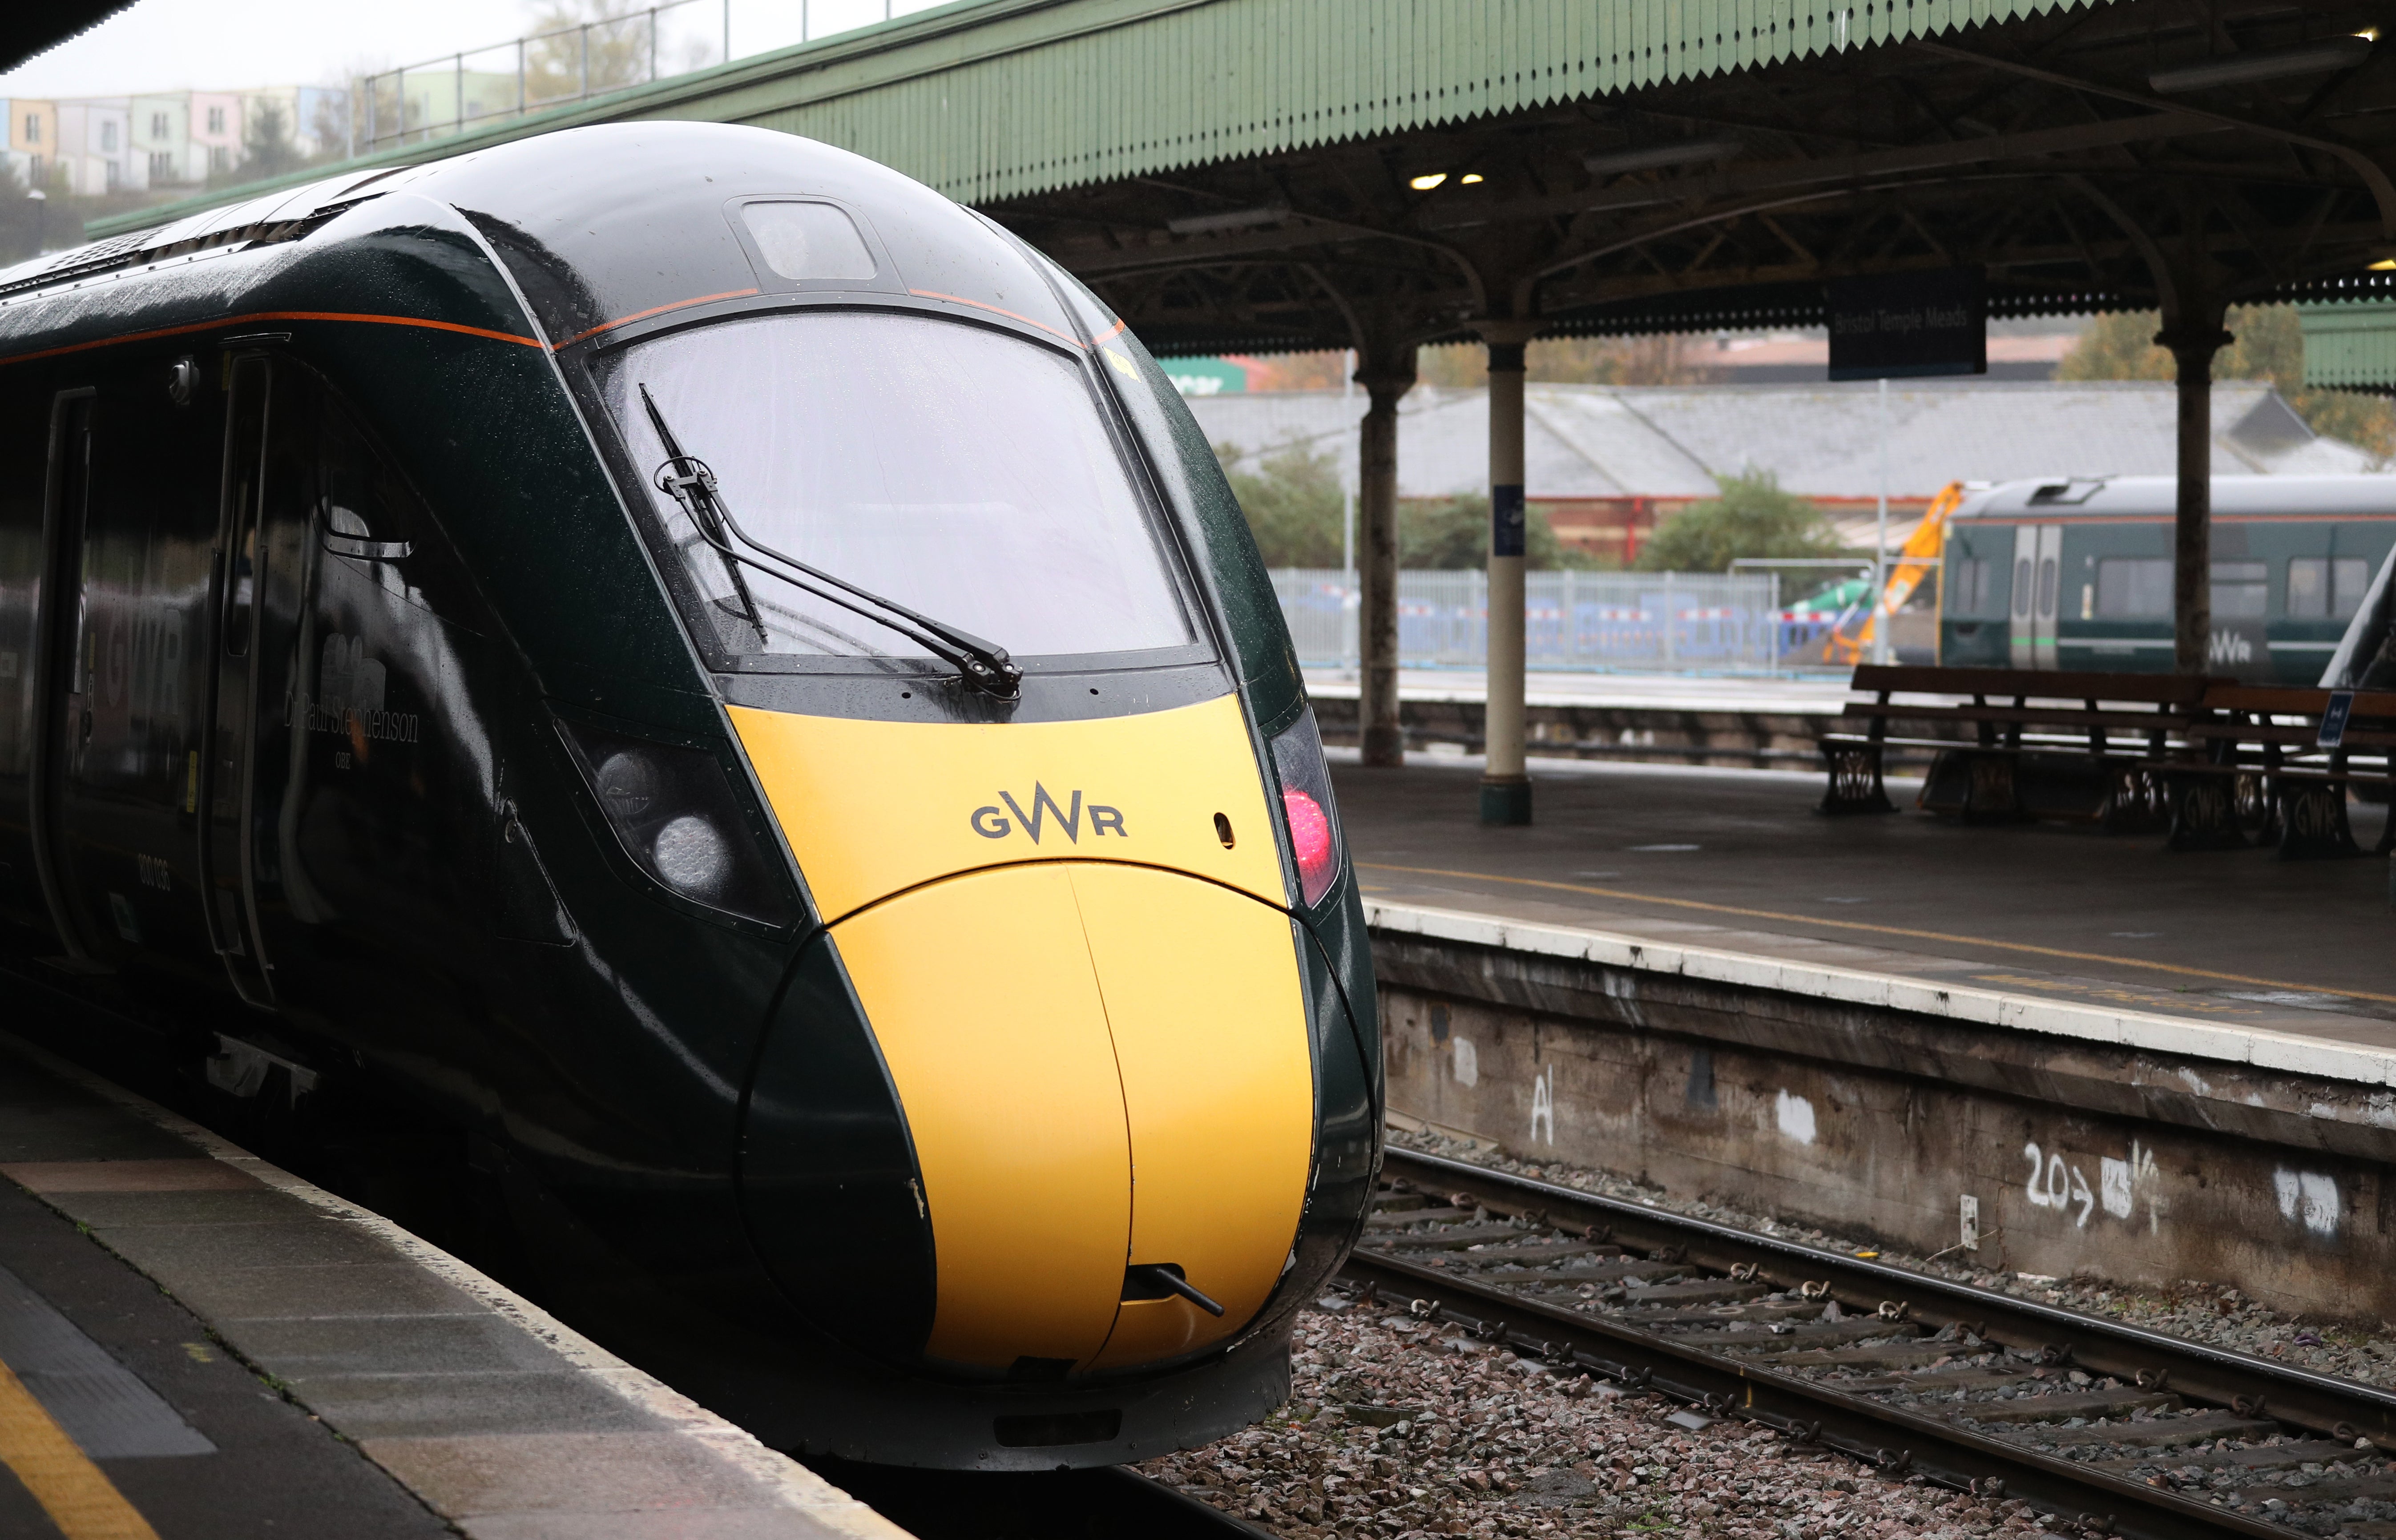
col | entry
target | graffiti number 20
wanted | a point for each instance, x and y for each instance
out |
(2054, 1184)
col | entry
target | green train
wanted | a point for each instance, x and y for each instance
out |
(730, 696)
(2076, 574)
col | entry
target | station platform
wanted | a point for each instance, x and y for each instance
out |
(2043, 1049)
(1737, 862)
(195, 1344)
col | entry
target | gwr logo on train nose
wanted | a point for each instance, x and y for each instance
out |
(991, 823)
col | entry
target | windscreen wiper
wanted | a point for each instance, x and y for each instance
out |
(690, 482)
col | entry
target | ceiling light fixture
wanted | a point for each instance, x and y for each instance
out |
(2386, 264)
(2330, 53)
(1428, 180)
(1607, 162)
(1468, 179)
(1236, 218)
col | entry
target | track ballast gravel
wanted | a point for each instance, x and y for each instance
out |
(1482, 1444)
(1397, 1430)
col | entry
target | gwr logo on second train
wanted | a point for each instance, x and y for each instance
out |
(991, 823)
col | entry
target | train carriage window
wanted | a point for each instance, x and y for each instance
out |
(365, 513)
(1967, 586)
(2241, 591)
(2022, 593)
(2133, 587)
(959, 471)
(2308, 588)
(2323, 588)
(248, 454)
(2349, 579)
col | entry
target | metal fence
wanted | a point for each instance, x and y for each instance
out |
(435, 98)
(1636, 621)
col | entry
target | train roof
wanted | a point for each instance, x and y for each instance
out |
(614, 226)
(2157, 497)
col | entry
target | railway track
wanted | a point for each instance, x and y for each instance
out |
(1106, 1503)
(2115, 1430)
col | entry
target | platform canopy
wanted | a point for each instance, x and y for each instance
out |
(27, 29)
(1256, 174)
(1262, 175)
(2088, 157)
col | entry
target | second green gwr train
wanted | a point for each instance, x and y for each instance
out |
(2076, 574)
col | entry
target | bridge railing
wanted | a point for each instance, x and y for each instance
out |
(435, 97)
(1663, 622)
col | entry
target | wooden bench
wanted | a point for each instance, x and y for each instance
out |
(2273, 734)
(2086, 746)
(2214, 764)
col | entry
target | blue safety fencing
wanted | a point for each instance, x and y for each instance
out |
(1655, 620)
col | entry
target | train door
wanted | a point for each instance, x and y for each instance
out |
(125, 546)
(226, 783)
(2037, 586)
(62, 717)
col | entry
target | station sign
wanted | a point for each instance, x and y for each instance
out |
(1206, 376)
(1907, 325)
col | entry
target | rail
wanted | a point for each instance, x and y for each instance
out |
(2111, 1427)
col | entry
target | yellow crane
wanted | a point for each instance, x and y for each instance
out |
(1917, 561)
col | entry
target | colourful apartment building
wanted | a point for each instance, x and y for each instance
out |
(29, 139)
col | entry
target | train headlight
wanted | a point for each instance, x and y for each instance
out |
(1306, 805)
(691, 856)
(673, 810)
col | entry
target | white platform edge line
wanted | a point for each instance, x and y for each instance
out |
(2260, 1047)
(798, 1487)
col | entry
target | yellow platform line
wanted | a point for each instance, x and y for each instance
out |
(77, 1495)
(1884, 930)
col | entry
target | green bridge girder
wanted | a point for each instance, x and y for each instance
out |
(992, 99)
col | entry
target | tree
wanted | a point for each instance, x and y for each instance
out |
(23, 220)
(2271, 345)
(1293, 503)
(1573, 361)
(1752, 517)
(616, 34)
(266, 146)
(1294, 507)
(1454, 534)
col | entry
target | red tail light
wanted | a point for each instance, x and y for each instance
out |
(1307, 808)
(1309, 840)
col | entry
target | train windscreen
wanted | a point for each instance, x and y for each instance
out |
(958, 470)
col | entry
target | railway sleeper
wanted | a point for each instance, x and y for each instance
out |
(2284, 1456)
(2163, 1433)
(2078, 1403)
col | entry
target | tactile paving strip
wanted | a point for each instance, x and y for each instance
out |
(104, 1406)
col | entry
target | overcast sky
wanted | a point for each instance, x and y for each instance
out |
(175, 45)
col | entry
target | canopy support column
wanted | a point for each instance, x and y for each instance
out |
(1387, 373)
(1505, 779)
(2194, 335)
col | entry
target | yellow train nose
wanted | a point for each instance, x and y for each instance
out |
(1105, 1071)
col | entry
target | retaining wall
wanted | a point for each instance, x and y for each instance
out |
(2124, 1145)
